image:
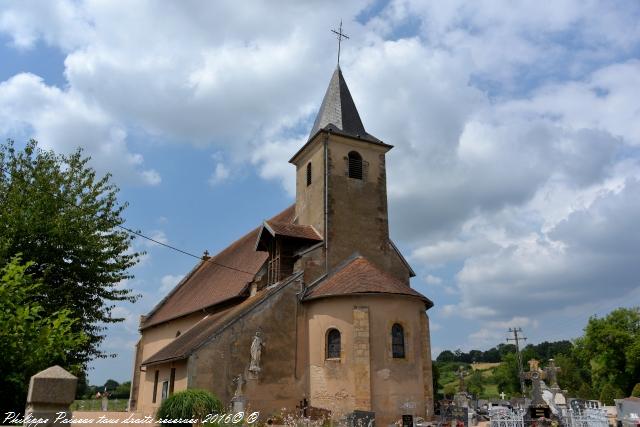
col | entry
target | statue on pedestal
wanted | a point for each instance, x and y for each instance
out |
(256, 352)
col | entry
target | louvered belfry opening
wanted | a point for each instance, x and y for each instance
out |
(355, 165)
(281, 260)
(308, 174)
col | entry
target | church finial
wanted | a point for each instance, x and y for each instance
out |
(340, 35)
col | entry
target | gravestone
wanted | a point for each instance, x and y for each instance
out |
(361, 419)
(538, 407)
(460, 414)
(238, 402)
(51, 391)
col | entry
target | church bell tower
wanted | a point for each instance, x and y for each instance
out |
(341, 186)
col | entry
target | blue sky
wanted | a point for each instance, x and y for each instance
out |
(514, 184)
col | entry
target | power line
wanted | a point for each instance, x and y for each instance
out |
(183, 251)
(139, 234)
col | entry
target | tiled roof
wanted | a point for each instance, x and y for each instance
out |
(293, 230)
(210, 283)
(200, 333)
(338, 112)
(338, 115)
(360, 276)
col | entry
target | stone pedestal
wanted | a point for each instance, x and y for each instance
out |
(51, 391)
(238, 404)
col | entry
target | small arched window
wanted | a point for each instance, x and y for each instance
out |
(308, 174)
(355, 165)
(333, 344)
(397, 341)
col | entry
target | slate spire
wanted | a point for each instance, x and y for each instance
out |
(338, 112)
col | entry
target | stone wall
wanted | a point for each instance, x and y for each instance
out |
(358, 217)
(280, 383)
(152, 340)
(367, 376)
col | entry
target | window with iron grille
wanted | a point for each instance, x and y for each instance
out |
(397, 341)
(308, 174)
(355, 165)
(333, 344)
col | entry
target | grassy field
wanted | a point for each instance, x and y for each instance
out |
(449, 378)
(115, 405)
(483, 366)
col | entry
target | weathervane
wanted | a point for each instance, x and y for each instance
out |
(340, 35)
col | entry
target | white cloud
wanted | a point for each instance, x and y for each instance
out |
(433, 280)
(130, 323)
(168, 282)
(61, 23)
(63, 120)
(220, 174)
(583, 258)
(157, 235)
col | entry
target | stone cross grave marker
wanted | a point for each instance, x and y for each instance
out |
(539, 407)
(552, 373)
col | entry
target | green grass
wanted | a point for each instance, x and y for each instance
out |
(115, 405)
(449, 378)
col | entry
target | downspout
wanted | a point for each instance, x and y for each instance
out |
(326, 204)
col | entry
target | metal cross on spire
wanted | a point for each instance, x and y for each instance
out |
(341, 36)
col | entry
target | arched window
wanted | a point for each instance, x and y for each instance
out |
(355, 165)
(308, 174)
(333, 344)
(397, 341)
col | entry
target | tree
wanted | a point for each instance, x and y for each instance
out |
(585, 392)
(30, 339)
(475, 383)
(572, 375)
(609, 393)
(110, 385)
(506, 375)
(435, 375)
(610, 348)
(449, 390)
(123, 390)
(636, 391)
(63, 219)
(446, 356)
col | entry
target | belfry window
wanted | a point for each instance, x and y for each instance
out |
(397, 341)
(333, 344)
(355, 165)
(308, 174)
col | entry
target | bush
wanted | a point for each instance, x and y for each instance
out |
(189, 404)
(585, 392)
(610, 392)
(636, 391)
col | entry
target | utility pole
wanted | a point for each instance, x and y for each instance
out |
(517, 340)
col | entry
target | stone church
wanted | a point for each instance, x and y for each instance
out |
(313, 309)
